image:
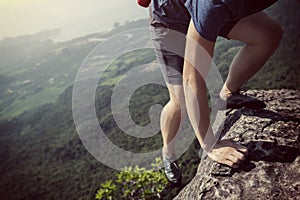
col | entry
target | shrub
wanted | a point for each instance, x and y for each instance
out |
(135, 183)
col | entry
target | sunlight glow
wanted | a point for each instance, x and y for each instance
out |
(15, 2)
(73, 18)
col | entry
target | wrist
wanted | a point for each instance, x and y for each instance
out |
(209, 143)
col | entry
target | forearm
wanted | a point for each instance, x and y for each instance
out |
(198, 110)
(198, 58)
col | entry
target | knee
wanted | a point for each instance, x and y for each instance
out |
(276, 33)
(272, 35)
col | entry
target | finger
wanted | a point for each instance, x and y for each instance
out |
(234, 159)
(240, 148)
(230, 164)
(240, 156)
(235, 155)
(235, 166)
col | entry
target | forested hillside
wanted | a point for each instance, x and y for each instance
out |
(41, 155)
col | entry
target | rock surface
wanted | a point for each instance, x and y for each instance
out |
(272, 169)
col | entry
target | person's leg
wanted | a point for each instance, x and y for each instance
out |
(172, 114)
(169, 47)
(261, 34)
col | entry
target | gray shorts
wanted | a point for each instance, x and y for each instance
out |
(169, 46)
(169, 23)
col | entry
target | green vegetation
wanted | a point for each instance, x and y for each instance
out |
(41, 155)
(35, 71)
(133, 183)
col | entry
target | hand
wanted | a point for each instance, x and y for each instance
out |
(229, 153)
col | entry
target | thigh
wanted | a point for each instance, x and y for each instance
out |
(249, 7)
(254, 28)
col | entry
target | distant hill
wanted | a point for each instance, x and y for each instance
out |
(35, 70)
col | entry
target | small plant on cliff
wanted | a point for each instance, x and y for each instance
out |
(135, 182)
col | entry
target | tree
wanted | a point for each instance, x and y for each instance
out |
(116, 25)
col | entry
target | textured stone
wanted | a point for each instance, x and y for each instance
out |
(272, 169)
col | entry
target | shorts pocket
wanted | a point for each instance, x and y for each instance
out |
(162, 2)
(159, 32)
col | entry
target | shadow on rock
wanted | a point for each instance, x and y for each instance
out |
(271, 152)
(267, 151)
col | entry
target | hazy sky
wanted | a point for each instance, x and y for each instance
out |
(74, 17)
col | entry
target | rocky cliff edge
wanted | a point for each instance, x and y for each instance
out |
(272, 169)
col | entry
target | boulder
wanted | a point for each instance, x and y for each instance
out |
(272, 168)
